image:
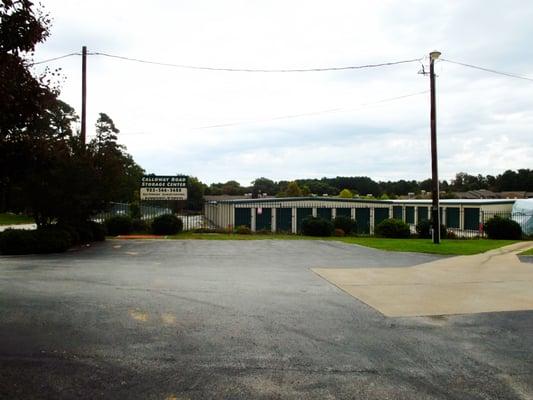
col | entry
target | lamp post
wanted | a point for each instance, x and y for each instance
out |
(435, 211)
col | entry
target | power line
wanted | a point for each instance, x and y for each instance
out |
(488, 70)
(195, 67)
(313, 113)
(55, 59)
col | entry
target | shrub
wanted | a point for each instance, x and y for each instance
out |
(46, 240)
(72, 231)
(503, 228)
(423, 229)
(243, 230)
(393, 228)
(135, 211)
(18, 241)
(98, 231)
(119, 225)
(347, 224)
(316, 226)
(139, 225)
(52, 240)
(167, 224)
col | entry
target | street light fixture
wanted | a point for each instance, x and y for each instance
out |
(435, 211)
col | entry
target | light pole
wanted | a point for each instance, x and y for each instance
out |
(435, 211)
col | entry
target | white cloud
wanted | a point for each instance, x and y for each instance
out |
(484, 119)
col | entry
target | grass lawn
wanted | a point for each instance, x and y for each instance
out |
(527, 253)
(447, 247)
(13, 219)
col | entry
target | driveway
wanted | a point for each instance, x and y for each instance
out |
(239, 320)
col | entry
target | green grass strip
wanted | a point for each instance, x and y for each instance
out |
(13, 219)
(527, 253)
(446, 247)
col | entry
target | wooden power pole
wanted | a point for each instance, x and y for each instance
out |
(83, 95)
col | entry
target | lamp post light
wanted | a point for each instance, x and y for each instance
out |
(435, 211)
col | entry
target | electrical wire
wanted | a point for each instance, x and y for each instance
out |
(488, 70)
(54, 59)
(195, 67)
(313, 113)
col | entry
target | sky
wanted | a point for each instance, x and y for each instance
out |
(220, 126)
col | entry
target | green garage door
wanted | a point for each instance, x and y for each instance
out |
(471, 218)
(263, 220)
(301, 214)
(284, 220)
(344, 212)
(362, 216)
(452, 217)
(410, 215)
(324, 213)
(243, 217)
(380, 214)
(422, 214)
(397, 212)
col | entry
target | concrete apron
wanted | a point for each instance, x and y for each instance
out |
(487, 282)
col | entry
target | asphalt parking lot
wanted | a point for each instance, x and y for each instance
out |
(239, 320)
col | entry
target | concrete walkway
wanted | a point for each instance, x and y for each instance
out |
(487, 282)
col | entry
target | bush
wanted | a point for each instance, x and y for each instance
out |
(72, 231)
(393, 228)
(135, 210)
(46, 240)
(243, 230)
(98, 231)
(18, 241)
(167, 224)
(316, 226)
(119, 225)
(347, 224)
(503, 228)
(139, 225)
(52, 240)
(423, 229)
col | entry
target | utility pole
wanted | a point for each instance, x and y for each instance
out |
(435, 210)
(83, 95)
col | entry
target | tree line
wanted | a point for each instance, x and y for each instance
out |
(520, 180)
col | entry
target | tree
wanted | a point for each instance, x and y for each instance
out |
(345, 194)
(293, 190)
(232, 188)
(264, 185)
(195, 194)
(25, 100)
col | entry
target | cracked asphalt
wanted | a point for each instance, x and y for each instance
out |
(238, 320)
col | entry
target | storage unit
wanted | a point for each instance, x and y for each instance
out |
(284, 220)
(453, 217)
(464, 217)
(243, 217)
(344, 212)
(410, 214)
(397, 212)
(325, 213)
(263, 219)
(422, 213)
(471, 219)
(301, 214)
(362, 217)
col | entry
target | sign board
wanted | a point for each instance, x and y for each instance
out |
(164, 187)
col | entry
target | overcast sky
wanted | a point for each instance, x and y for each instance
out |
(166, 115)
